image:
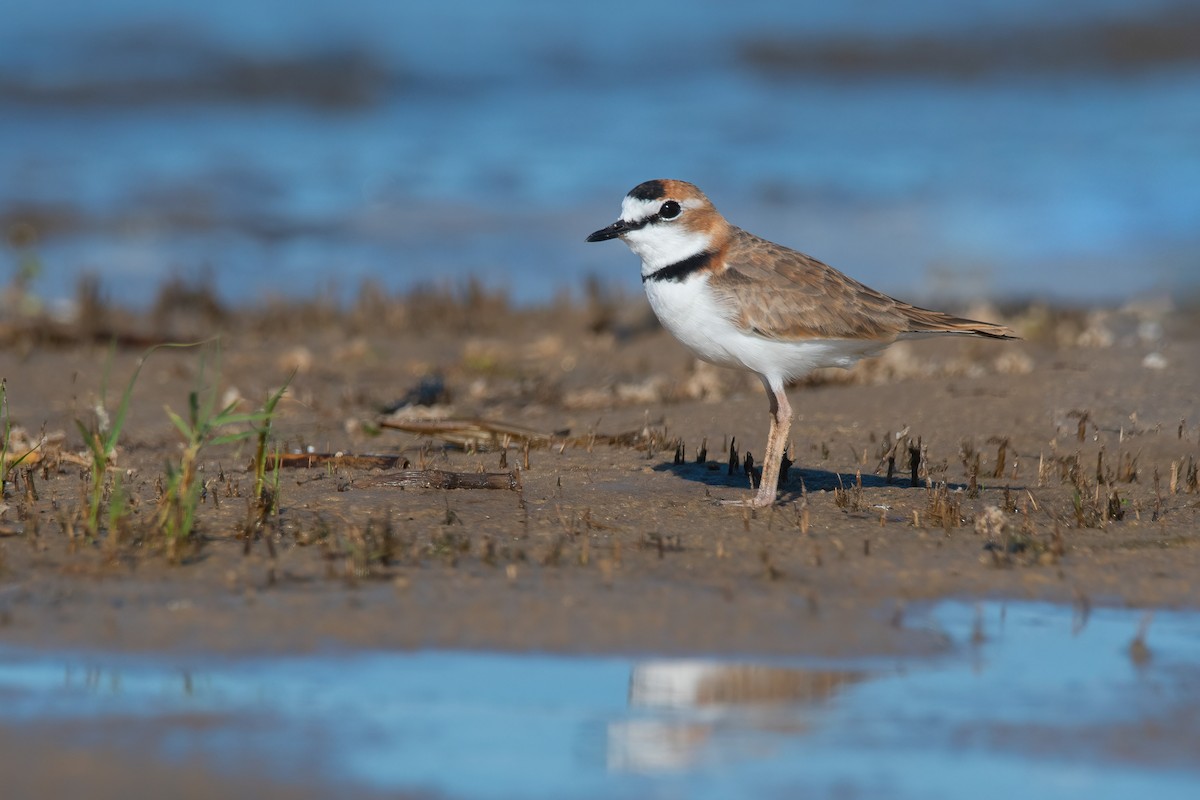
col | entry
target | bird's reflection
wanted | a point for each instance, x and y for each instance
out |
(689, 703)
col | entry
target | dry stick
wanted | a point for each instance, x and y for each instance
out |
(471, 431)
(1001, 455)
(349, 460)
(441, 479)
(487, 433)
(914, 460)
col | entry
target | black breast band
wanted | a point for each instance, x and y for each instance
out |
(680, 269)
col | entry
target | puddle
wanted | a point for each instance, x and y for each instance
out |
(1033, 701)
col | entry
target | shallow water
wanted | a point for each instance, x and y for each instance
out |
(1030, 700)
(291, 148)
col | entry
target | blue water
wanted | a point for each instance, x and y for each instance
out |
(486, 139)
(1048, 704)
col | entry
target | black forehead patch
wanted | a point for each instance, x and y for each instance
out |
(650, 190)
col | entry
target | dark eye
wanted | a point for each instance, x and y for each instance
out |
(669, 210)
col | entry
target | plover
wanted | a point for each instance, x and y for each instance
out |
(737, 300)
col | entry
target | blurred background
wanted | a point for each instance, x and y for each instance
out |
(1013, 149)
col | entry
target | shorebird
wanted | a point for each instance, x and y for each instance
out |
(737, 300)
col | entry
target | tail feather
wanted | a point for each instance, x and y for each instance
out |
(922, 320)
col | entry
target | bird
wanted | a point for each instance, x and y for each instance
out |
(737, 300)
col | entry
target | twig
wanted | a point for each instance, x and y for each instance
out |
(348, 460)
(440, 479)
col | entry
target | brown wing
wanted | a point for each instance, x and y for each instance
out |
(779, 293)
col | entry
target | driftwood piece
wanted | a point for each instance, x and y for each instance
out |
(484, 434)
(348, 460)
(477, 433)
(441, 479)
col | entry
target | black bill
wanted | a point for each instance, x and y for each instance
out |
(613, 231)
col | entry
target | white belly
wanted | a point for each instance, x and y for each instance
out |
(687, 309)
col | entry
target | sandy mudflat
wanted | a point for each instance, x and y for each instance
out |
(607, 545)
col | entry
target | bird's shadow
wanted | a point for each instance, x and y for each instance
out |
(712, 473)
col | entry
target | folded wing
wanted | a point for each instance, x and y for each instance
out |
(781, 294)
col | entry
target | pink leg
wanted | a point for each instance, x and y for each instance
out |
(781, 425)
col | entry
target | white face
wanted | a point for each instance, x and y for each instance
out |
(665, 242)
(634, 210)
